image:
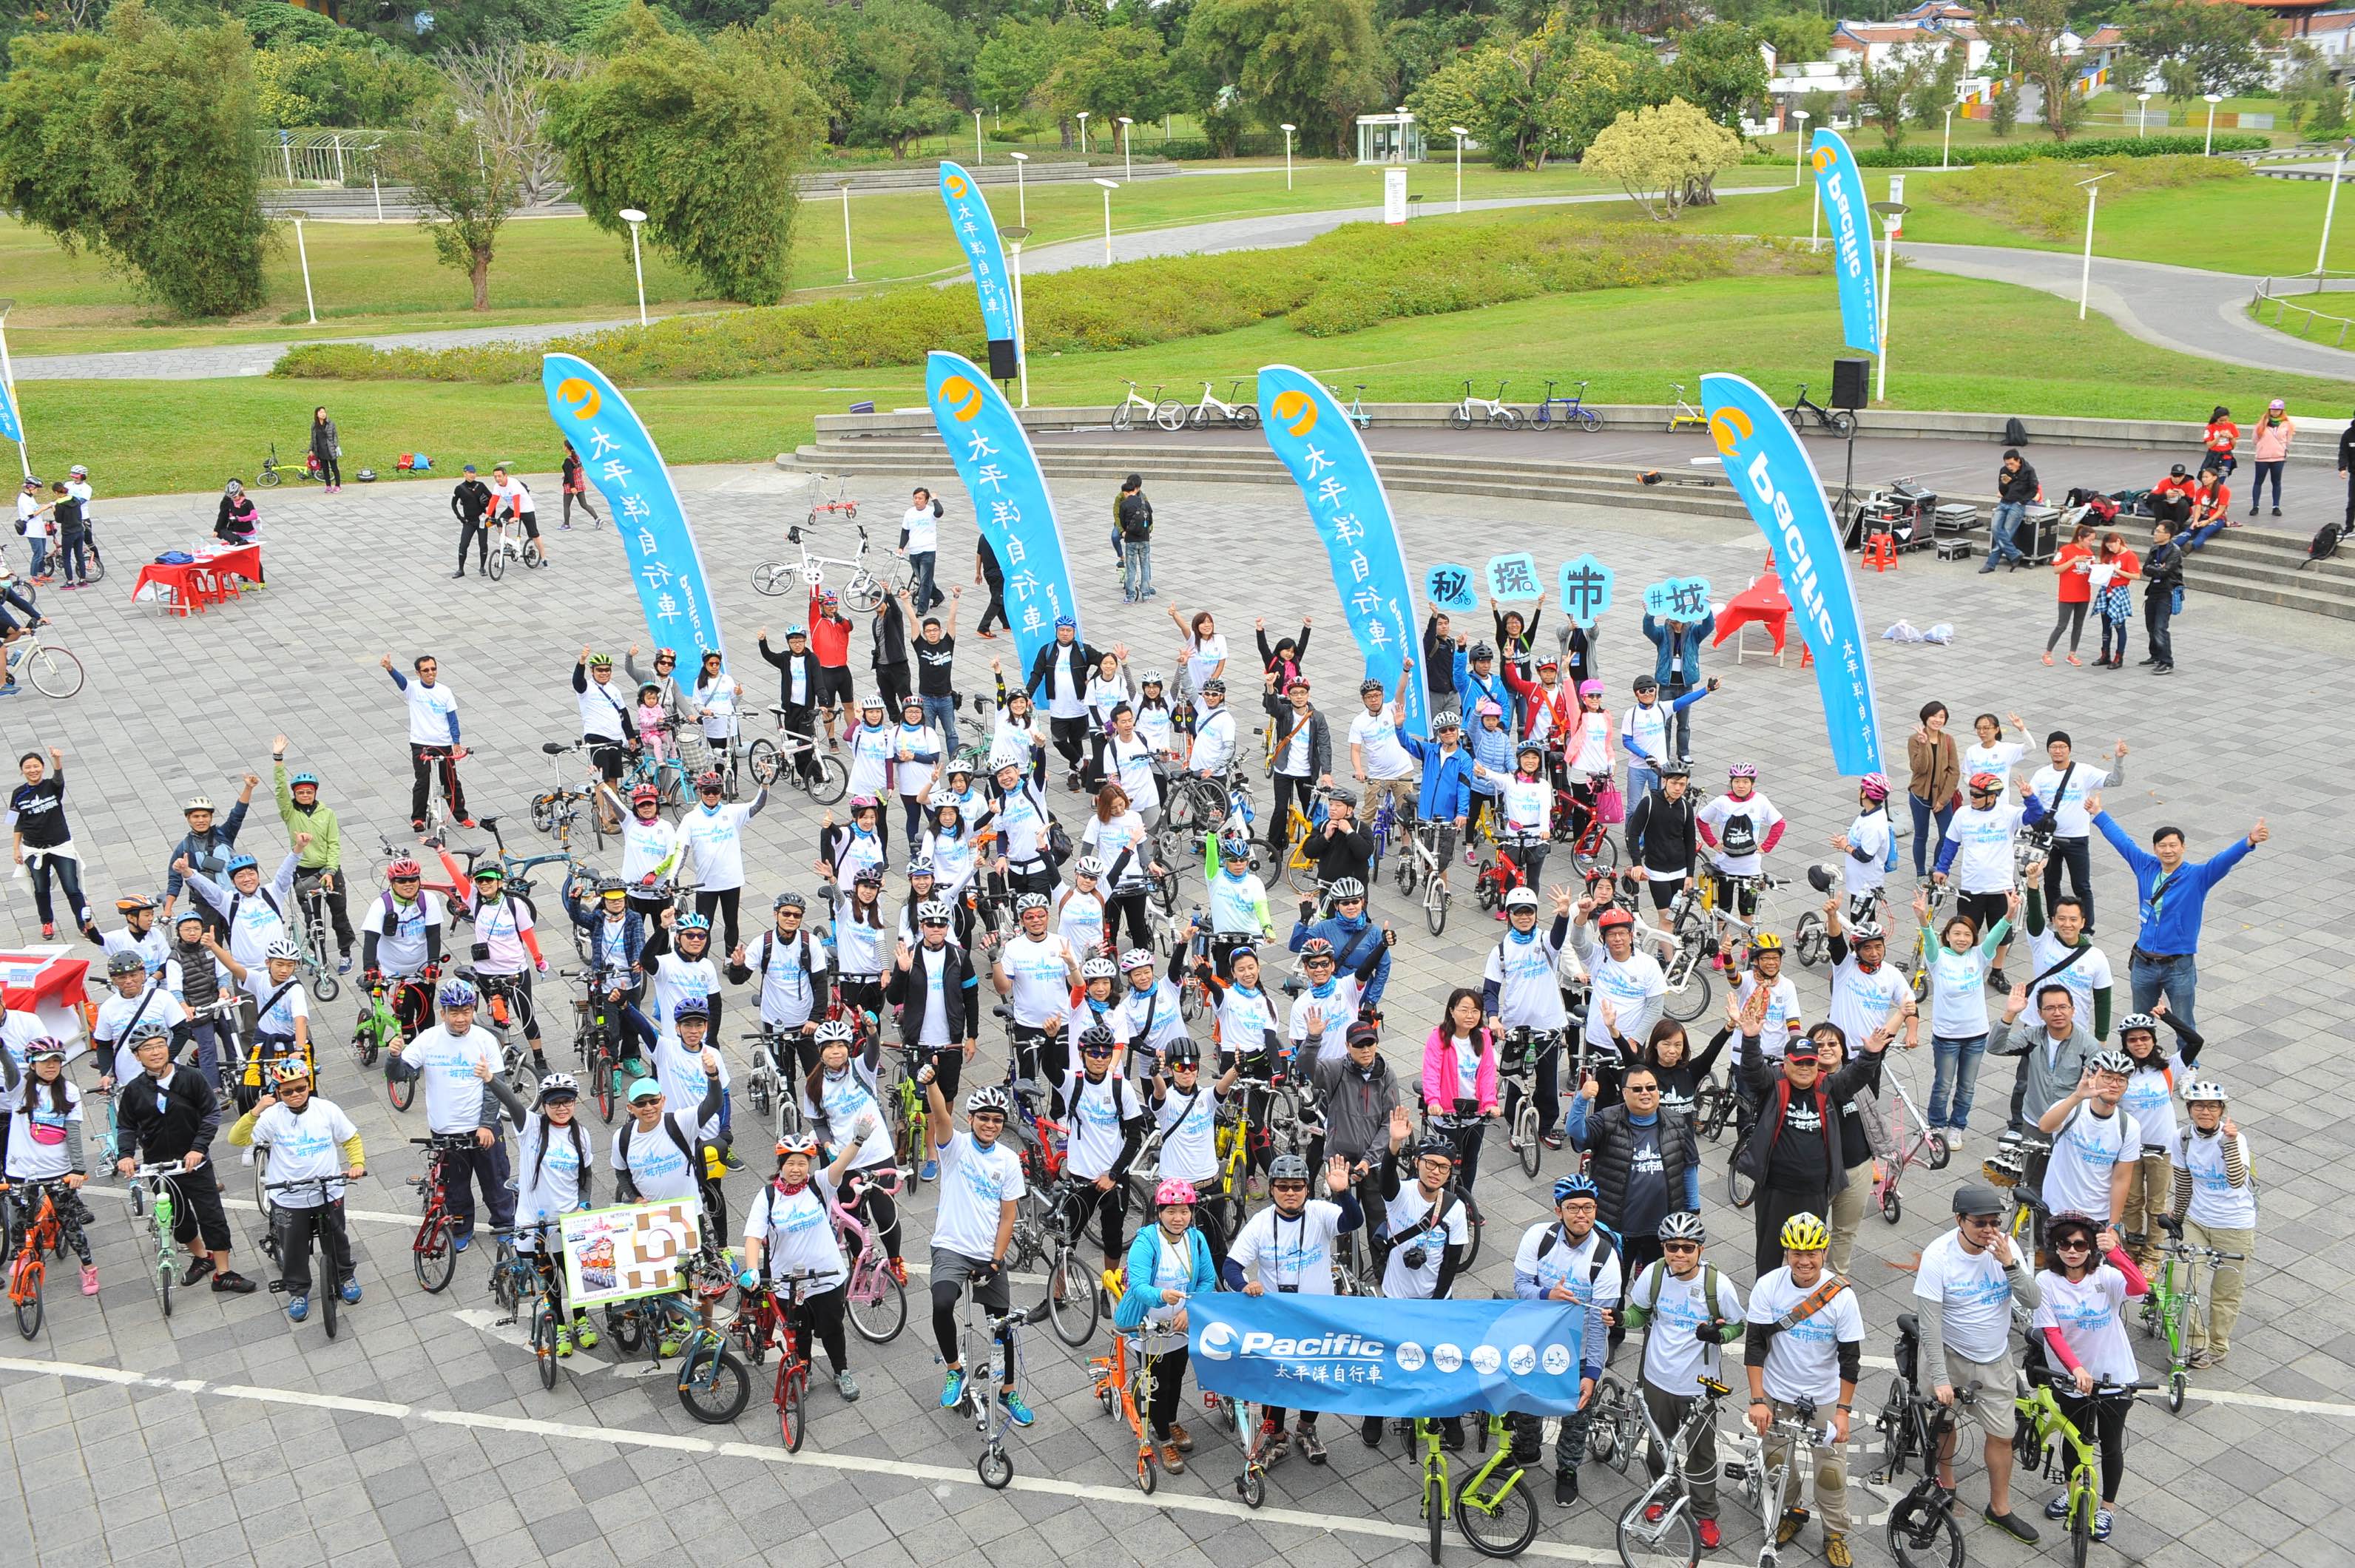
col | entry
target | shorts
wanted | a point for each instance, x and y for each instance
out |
(1996, 1380)
(833, 686)
(1983, 910)
(611, 757)
(955, 1268)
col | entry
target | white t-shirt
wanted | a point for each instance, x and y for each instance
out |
(1280, 1251)
(402, 944)
(1742, 827)
(1803, 1360)
(1861, 1003)
(786, 996)
(308, 1147)
(1039, 971)
(849, 1098)
(1527, 806)
(114, 1016)
(453, 1093)
(680, 1072)
(1204, 657)
(430, 710)
(287, 1003)
(658, 1166)
(678, 979)
(1097, 1110)
(1246, 1018)
(1870, 832)
(715, 836)
(1325, 1018)
(38, 1145)
(2069, 818)
(1635, 985)
(2088, 1312)
(1646, 726)
(796, 1233)
(1569, 1263)
(923, 528)
(2215, 1202)
(871, 749)
(2089, 971)
(1189, 1122)
(601, 708)
(1783, 1023)
(511, 494)
(2149, 1099)
(1975, 1294)
(1110, 839)
(1409, 1214)
(2086, 1151)
(1674, 1358)
(1998, 759)
(1958, 1007)
(1214, 740)
(1528, 994)
(1131, 761)
(1983, 843)
(1376, 737)
(647, 847)
(975, 1184)
(550, 1184)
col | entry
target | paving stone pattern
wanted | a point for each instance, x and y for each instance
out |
(435, 1444)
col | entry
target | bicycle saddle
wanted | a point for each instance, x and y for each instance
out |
(554, 747)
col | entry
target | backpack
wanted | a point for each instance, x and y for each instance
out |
(1657, 1273)
(685, 1144)
(2014, 432)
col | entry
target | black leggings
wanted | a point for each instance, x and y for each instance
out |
(2103, 1420)
(2072, 621)
(723, 899)
(1111, 1202)
(1279, 817)
(1132, 906)
(1168, 1390)
(331, 469)
(473, 532)
(822, 1317)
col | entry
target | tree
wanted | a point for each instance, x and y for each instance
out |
(1510, 98)
(1012, 67)
(2003, 114)
(702, 135)
(899, 63)
(1796, 36)
(342, 84)
(1605, 80)
(1121, 70)
(1314, 63)
(458, 26)
(137, 142)
(464, 184)
(1667, 156)
(1888, 88)
(503, 92)
(1942, 82)
(1718, 68)
(2223, 47)
(2029, 35)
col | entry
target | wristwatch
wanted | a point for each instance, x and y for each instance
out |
(1848, 1409)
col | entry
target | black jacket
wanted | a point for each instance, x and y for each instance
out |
(2162, 570)
(957, 982)
(1135, 514)
(470, 501)
(2019, 486)
(1319, 735)
(1762, 1079)
(1083, 658)
(890, 630)
(1661, 835)
(1611, 1142)
(784, 659)
(156, 1125)
(1339, 854)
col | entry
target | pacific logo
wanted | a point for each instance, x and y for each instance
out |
(1296, 411)
(1223, 1342)
(956, 184)
(961, 398)
(580, 397)
(1729, 427)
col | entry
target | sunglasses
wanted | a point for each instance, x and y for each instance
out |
(2073, 1244)
(1643, 1088)
(1098, 1051)
(398, 881)
(1679, 1246)
(1983, 1220)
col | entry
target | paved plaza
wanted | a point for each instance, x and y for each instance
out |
(421, 1436)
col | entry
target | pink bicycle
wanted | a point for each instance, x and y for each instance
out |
(877, 1299)
(1908, 1141)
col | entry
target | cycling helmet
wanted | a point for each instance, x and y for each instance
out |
(988, 1097)
(1587, 687)
(1369, 685)
(1088, 866)
(1348, 890)
(237, 863)
(125, 962)
(1986, 784)
(1867, 931)
(2116, 1061)
(48, 1048)
(709, 781)
(796, 1141)
(860, 802)
(1236, 849)
(157, 1028)
(691, 1009)
(559, 1086)
(1151, 677)
(1806, 1233)
(1446, 719)
(834, 1031)
(1098, 968)
(1137, 958)
(920, 866)
(1175, 1191)
(1528, 749)
(1435, 1148)
(1490, 708)
(1873, 786)
(305, 777)
(281, 948)
(2206, 1089)
(293, 1069)
(1287, 1168)
(932, 912)
(491, 874)
(1482, 651)
(1674, 771)
(964, 763)
(1580, 1186)
(456, 992)
(874, 703)
(1742, 771)
(695, 926)
(1182, 1053)
(78, 472)
(190, 914)
(1613, 918)
(2126, 1025)
(793, 901)
(2069, 1220)
(1317, 950)
(197, 803)
(1522, 898)
(1214, 688)
(1683, 1226)
(866, 876)
(1766, 941)
(1096, 1040)
(644, 795)
(133, 904)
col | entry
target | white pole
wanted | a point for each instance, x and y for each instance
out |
(1021, 197)
(303, 252)
(1815, 219)
(1107, 226)
(638, 266)
(2210, 149)
(379, 189)
(850, 267)
(2142, 115)
(1798, 148)
(2086, 274)
(1083, 132)
(1888, 270)
(1946, 151)
(1287, 157)
(1127, 167)
(2322, 257)
(1459, 173)
(976, 139)
(8, 376)
(1021, 346)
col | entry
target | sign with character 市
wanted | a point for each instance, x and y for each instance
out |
(1585, 586)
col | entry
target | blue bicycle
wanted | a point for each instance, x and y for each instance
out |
(1574, 412)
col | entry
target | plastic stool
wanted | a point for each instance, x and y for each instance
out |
(1881, 552)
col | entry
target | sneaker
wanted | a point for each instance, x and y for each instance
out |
(1711, 1537)
(48, 929)
(1996, 980)
(298, 1307)
(951, 1388)
(460, 573)
(460, 1244)
(1015, 1407)
(1794, 1521)
(197, 1269)
(1373, 1436)
(1307, 1444)
(417, 824)
(2048, 661)
(731, 1159)
(344, 964)
(1837, 1553)
(466, 822)
(899, 1270)
(2101, 1522)
(847, 1386)
(563, 1341)
(1181, 1437)
(583, 1335)
(1552, 1138)
(228, 1282)
(930, 1171)
(671, 1344)
(1274, 1443)
(2058, 1507)
(1953, 1139)
(350, 1293)
(2075, 660)
(90, 1279)
(1172, 1460)
(2012, 1525)
(1565, 1488)
(2162, 670)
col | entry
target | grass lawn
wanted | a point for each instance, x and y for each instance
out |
(374, 278)
(141, 436)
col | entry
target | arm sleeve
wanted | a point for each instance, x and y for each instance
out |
(2102, 1012)
(2058, 1347)
(2023, 1284)
(506, 1097)
(1756, 1340)
(1708, 1057)
(2189, 1040)
(1851, 1361)
(1451, 1259)
(1692, 1184)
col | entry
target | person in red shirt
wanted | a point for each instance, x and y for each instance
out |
(2073, 566)
(2210, 499)
(2170, 498)
(2222, 436)
(830, 640)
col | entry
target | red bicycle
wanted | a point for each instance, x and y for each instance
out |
(1504, 872)
(45, 1234)
(434, 1250)
(1578, 822)
(764, 1322)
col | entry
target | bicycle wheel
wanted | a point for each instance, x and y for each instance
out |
(401, 1091)
(497, 564)
(792, 1405)
(24, 1290)
(1124, 416)
(713, 1384)
(996, 1468)
(1170, 415)
(1589, 421)
(324, 983)
(54, 672)
(1923, 1535)
(1798, 419)
(1434, 1511)
(1674, 1542)
(1603, 1431)
(879, 1320)
(1813, 941)
(1510, 419)
(1505, 1528)
(1460, 417)
(832, 779)
(1434, 906)
(1245, 416)
(543, 810)
(1598, 859)
(1691, 1000)
(1071, 1301)
(1740, 1188)
(777, 580)
(543, 1344)
(1473, 1217)
(533, 556)
(2081, 1525)
(1525, 1129)
(268, 479)
(331, 1293)
(433, 1257)
(1843, 422)
(864, 592)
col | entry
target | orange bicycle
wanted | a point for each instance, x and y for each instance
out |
(1125, 1383)
(46, 1234)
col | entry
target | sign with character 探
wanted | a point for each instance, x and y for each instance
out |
(1515, 576)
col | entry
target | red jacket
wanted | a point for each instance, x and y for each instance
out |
(1563, 701)
(829, 637)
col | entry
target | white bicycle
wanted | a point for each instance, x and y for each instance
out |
(1166, 412)
(1241, 416)
(508, 543)
(1494, 411)
(865, 589)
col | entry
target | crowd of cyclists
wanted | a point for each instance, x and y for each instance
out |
(1058, 982)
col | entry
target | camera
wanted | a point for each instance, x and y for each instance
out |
(1414, 1258)
(1287, 1290)
(481, 951)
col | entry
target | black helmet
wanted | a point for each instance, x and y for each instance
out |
(1482, 651)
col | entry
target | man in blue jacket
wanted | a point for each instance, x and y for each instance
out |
(1676, 665)
(2172, 894)
(205, 847)
(1446, 797)
(1355, 937)
(1478, 679)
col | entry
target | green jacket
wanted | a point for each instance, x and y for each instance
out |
(325, 850)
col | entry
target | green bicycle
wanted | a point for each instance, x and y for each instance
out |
(2173, 1303)
(150, 1192)
(1493, 1509)
(904, 1107)
(2046, 1440)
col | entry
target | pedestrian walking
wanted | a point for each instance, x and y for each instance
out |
(576, 487)
(2274, 436)
(987, 572)
(327, 448)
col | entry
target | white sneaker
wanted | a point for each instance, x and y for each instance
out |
(1953, 1139)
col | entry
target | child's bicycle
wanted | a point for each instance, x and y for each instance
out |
(826, 505)
(1493, 1509)
(774, 1313)
(2173, 1305)
(273, 472)
(1582, 827)
(45, 1233)
(1502, 874)
(1355, 408)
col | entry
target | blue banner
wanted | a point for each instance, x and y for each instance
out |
(1840, 185)
(1010, 504)
(9, 428)
(1306, 429)
(1771, 473)
(977, 236)
(1353, 1355)
(618, 456)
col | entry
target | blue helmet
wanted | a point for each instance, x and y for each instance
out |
(456, 992)
(239, 863)
(305, 777)
(697, 923)
(1570, 1186)
(694, 1007)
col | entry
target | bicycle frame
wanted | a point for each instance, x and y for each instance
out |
(1684, 413)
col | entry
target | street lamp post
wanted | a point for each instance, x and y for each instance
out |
(8, 380)
(1109, 187)
(1013, 237)
(1799, 145)
(1083, 132)
(2092, 187)
(1893, 214)
(849, 269)
(303, 253)
(1021, 197)
(976, 138)
(1459, 133)
(1127, 169)
(2142, 115)
(1406, 127)
(2337, 168)
(633, 217)
(2213, 98)
(1946, 147)
(1287, 131)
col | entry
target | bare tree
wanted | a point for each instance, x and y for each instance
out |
(501, 91)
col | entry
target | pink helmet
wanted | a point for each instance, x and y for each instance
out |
(1873, 786)
(1173, 1191)
(1490, 708)
(1590, 689)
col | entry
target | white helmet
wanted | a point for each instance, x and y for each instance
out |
(1098, 968)
(281, 948)
(1088, 866)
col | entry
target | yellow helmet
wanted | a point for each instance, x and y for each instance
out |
(1805, 1233)
(1766, 941)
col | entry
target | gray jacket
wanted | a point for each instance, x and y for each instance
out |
(2049, 1075)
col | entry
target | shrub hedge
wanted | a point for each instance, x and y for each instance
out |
(2074, 152)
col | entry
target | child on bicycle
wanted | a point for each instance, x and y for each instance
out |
(655, 742)
(1526, 805)
(1169, 1263)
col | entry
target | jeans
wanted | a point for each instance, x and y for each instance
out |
(2157, 610)
(2257, 483)
(2077, 854)
(940, 713)
(1681, 724)
(2177, 974)
(40, 554)
(1922, 816)
(925, 593)
(41, 865)
(2001, 545)
(76, 551)
(1135, 569)
(1956, 1066)
(489, 1169)
(1642, 779)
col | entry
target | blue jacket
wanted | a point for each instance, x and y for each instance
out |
(1355, 942)
(588, 916)
(1493, 751)
(1470, 689)
(1137, 1296)
(1446, 778)
(1682, 651)
(2171, 926)
(207, 853)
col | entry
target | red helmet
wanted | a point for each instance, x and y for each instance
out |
(403, 870)
(1986, 784)
(709, 780)
(644, 795)
(1612, 917)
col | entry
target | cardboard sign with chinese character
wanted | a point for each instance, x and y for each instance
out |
(1678, 599)
(623, 1253)
(1515, 577)
(1585, 586)
(1447, 588)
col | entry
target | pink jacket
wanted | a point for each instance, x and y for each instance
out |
(1439, 1076)
(2272, 439)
